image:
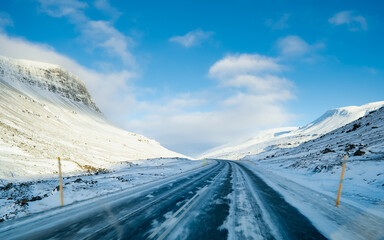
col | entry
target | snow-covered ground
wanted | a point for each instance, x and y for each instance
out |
(47, 112)
(351, 220)
(317, 163)
(24, 197)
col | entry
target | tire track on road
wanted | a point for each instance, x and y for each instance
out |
(288, 220)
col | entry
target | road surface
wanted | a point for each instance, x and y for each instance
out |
(223, 200)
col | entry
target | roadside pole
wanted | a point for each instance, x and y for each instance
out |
(61, 183)
(341, 181)
(204, 161)
(249, 154)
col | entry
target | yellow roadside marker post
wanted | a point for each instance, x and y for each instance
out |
(204, 161)
(61, 183)
(249, 153)
(341, 181)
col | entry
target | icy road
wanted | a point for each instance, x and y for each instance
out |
(224, 200)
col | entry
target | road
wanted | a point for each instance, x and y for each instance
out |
(224, 200)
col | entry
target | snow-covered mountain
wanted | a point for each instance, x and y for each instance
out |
(47, 112)
(362, 140)
(289, 137)
(317, 163)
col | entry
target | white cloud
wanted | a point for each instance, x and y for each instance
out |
(193, 38)
(353, 21)
(96, 34)
(59, 9)
(279, 24)
(5, 21)
(295, 47)
(249, 96)
(109, 90)
(105, 7)
(244, 63)
(193, 132)
(258, 84)
(251, 73)
(102, 34)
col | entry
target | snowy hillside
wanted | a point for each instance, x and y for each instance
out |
(362, 140)
(46, 76)
(292, 136)
(317, 163)
(46, 112)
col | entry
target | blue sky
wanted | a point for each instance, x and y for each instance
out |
(197, 74)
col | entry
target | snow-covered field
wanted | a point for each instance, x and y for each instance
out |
(23, 197)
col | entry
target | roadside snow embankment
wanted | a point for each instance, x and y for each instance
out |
(21, 198)
(348, 221)
(317, 163)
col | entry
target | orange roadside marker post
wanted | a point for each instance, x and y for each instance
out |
(61, 183)
(341, 181)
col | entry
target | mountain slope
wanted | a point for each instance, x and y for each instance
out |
(290, 137)
(361, 140)
(317, 163)
(46, 112)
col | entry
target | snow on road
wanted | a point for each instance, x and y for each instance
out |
(246, 219)
(224, 200)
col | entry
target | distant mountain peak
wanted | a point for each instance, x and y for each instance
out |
(338, 117)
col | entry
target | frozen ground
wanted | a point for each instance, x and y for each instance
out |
(205, 203)
(355, 218)
(317, 163)
(225, 200)
(357, 188)
(22, 197)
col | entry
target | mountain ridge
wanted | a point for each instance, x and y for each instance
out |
(294, 136)
(46, 76)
